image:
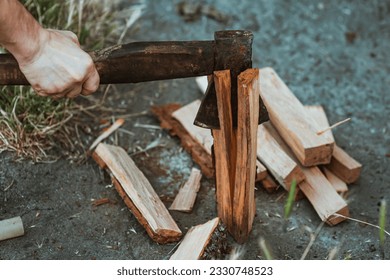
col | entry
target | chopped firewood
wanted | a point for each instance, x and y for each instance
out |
(11, 228)
(271, 151)
(247, 123)
(318, 114)
(137, 193)
(185, 199)
(261, 171)
(319, 191)
(118, 123)
(185, 117)
(269, 184)
(344, 166)
(206, 241)
(339, 185)
(293, 123)
(193, 147)
(225, 149)
(341, 164)
(323, 196)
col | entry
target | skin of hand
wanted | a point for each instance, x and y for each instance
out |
(59, 68)
(52, 60)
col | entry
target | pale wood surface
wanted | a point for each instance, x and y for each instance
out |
(341, 164)
(225, 149)
(271, 152)
(318, 114)
(11, 228)
(323, 196)
(292, 121)
(247, 122)
(186, 116)
(195, 241)
(339, 185)
(144, 202)
(185, 199)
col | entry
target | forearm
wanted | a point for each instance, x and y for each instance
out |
(20, 33)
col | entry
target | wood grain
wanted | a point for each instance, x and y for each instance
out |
(138, 194)
(293, 123)
(185, 199)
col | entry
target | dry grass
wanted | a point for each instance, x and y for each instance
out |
(42, 129)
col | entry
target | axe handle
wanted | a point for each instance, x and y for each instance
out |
(136, 62)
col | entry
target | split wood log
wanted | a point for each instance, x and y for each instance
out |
(344, 166)
(225, 149)
(137, 193)
(341, 164)
(319, 191)
(197, 240)
(271, 151)
(247, 123)
(193, 147)
(185, 199)
(323, 196)
(11, 228)
(293, 123)
(339, 185)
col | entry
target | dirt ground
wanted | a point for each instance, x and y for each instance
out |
(334, 53)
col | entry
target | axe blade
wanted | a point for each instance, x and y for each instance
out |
(233, 51)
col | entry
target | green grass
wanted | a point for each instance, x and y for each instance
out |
(382, 222)
(31, 125)
(290, 199)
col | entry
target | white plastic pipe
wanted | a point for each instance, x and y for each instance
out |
(11, 228)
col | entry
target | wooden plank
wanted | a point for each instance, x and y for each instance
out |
(293, 123)
(137, 193)
(247, 122)
(341, 164)
(261, 171)
(225, 149)
(185, 199)
(271, 151)
(193, 147)
(195, 241)
(185, 115)
(339, 185)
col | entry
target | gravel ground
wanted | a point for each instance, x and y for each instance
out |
(334, 53)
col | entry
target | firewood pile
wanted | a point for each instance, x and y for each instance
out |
(296, 146)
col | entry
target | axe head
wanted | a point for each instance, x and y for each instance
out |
(233, 51)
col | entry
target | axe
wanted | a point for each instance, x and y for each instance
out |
(151, 61)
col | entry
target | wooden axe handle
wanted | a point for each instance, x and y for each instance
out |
(136, 62)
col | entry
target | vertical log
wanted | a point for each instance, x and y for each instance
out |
(224, 149)
(247, 122)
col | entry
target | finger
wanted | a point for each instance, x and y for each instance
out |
(74, 92)
(70, 35)
(91, 84)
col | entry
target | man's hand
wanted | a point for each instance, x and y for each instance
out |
(59, 68)
(52, 60)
